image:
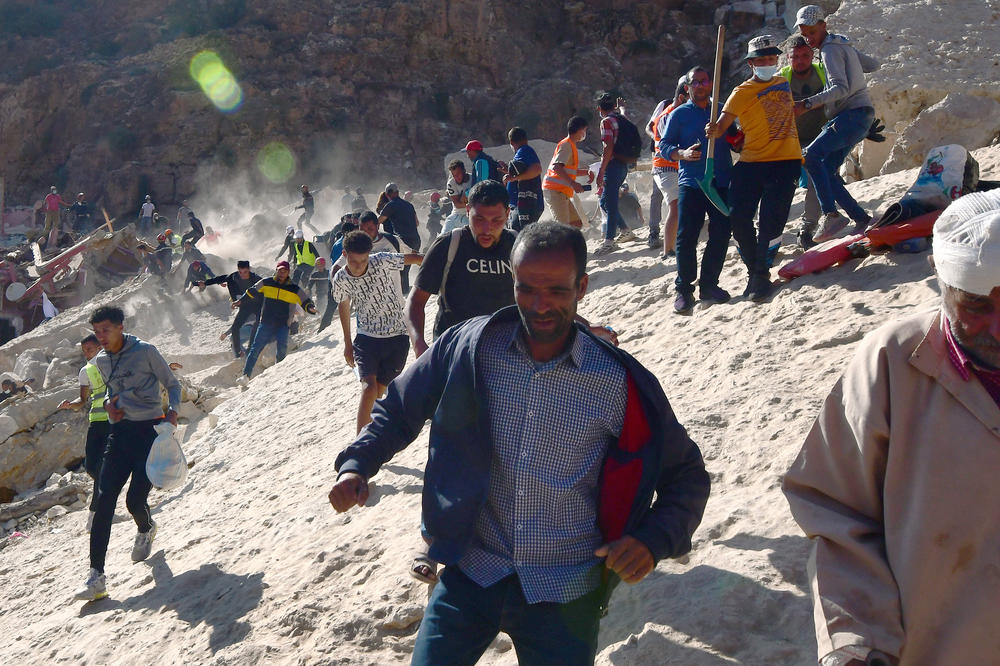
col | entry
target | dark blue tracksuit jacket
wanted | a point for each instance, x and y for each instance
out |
(653, 455)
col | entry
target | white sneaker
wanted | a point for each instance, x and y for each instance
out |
(243, 381)
(143, 545)
(90, 521)
(95, 588)
(830, 226)
(607, 247)
(626, 236)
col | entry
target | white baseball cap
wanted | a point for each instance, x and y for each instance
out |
(809, 15)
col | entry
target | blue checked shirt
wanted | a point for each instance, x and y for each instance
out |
(550, 424)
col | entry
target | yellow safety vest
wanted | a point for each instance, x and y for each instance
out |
(305, 254)
(553, 181)
(97, 393)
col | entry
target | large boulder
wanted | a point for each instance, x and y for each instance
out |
(29, 457)
(928, 50)
(972, 121)
(746, 16)
(59, 371)
(31, 364)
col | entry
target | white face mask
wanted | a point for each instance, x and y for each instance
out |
(765, 73)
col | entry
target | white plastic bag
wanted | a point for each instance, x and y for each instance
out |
(948, 173)
(166, 466)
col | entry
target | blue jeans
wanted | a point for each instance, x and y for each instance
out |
(462, 619)
(614, 176)
(828, 151)
(267, 331)
(772, 185)
(692, 206)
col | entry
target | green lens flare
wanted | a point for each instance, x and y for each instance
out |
(276, 162)
(216, 81)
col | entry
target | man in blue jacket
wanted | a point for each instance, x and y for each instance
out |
(684, 142)
(547, 446)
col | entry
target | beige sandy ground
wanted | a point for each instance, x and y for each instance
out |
(251, 564)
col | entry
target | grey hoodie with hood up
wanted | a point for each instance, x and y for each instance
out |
(845, 76)
(134, 374)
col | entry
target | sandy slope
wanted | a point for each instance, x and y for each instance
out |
(252, 565)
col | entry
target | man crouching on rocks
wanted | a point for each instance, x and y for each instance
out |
(547, 447)
(133, 371)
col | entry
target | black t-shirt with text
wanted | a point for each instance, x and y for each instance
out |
(480, 280)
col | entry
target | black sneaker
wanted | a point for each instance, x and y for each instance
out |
(805, 239)
(684, 303)
(760, 288)
(654, 242)
(714, 294)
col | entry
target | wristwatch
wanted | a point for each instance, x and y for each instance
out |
(807, 104)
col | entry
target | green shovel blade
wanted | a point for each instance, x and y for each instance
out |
(707, 184)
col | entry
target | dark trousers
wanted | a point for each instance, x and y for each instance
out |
(243, 314)
(97, 442)
(125, 456)
(194, 236)
(528, 211)
(301, 275)
(614, 176)
(328, 311)
(692, 206)
(771, 185)
(462, 619)
(655, 211)
(267, 331)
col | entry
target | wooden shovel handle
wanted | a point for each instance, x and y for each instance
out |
(716, 75)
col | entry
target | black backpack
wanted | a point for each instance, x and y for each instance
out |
(628, 144)
(494, 168)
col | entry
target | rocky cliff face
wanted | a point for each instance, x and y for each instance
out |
(97, 95)
(928, 50)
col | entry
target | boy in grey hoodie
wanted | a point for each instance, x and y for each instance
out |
(849, 108)
(133, 371)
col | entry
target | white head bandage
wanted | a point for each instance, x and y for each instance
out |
(967, 243)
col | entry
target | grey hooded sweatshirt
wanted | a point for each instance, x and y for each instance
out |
(845, 76)
(134, 374)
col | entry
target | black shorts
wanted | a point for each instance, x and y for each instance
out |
(382, 357)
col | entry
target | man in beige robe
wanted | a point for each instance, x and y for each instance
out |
(898, 482)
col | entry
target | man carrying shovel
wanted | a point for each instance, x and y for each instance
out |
(683, 141)
(769, 165)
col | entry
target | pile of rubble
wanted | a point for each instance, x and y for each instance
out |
(60, 495)
(62, 277)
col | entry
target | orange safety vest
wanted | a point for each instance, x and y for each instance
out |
(554, 181)
(660, 162)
